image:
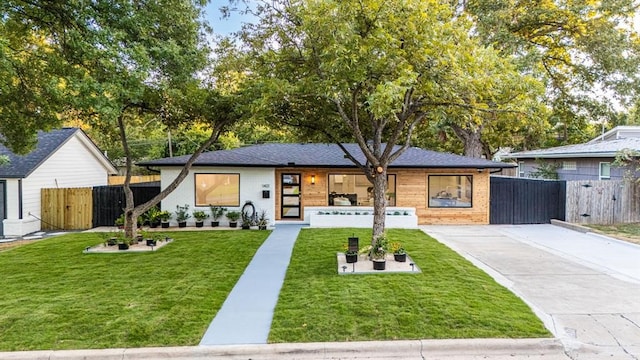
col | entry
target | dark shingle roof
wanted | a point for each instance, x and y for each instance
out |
(607, 148)
(321, 155)
(20, 166)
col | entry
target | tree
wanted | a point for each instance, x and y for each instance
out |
(370, 72)
(586, 52)
(109, 61)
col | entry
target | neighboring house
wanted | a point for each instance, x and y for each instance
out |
(62, 158)
(589, 161)
(286, 180)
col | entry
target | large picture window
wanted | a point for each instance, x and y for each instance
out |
(450, 191)
(356, 190)
(217, 189)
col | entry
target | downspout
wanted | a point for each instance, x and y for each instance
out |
(20, 199)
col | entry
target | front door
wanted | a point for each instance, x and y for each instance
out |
(3, 205)
(290, 200)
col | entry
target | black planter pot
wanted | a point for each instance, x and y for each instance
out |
(151, 242)
(199, 223)
(262, 227)
(112, 242)
(246, 227)
(165, 225)
(215, 223)
(233, 224)
(400, 257)
(122, 246)
(351, 258)
(379, 264)
(182, 224)
(153, 225)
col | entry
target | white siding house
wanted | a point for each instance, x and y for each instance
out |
(63, 158)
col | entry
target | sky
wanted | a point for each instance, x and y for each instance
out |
(224, 26)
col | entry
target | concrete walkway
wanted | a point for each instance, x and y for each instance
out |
(585, 287)
(245, 316)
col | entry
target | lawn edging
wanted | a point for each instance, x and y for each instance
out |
(547, 348)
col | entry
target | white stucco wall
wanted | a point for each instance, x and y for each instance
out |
(74, 164)
(252, 182)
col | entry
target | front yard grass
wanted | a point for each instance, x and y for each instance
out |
(451, 298)
(54, 297)
(626, 232)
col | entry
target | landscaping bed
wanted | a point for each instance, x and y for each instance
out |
(55, 297)
(450, 298)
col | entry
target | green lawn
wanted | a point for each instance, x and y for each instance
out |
(450, 298)
(54, 297)
(627, 232)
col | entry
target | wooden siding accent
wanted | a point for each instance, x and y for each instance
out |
(67, 209)
(119, 180)
(411, 191)
(591, 202)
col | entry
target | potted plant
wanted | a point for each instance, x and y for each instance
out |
(182, 214)
(379, 252)
(233, 217)
(216, 214)
(164, 217)
(246, 221)
(200, 215)
(399, 253)
(119, 223)
(152, 217)
(263, 220)
(350, 255)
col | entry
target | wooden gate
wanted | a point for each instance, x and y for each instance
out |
(526, 201)
(603, 202)
(66, 209)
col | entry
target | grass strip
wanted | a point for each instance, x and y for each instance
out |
(54, 297)
(451, 298)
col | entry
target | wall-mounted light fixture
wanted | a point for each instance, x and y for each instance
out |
(313, 179)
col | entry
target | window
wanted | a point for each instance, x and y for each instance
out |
(356, 190)
(569, 165)
(450, 191)
(521, 169)
(217, 189)
(605, 171)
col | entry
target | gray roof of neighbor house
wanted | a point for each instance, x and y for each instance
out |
(321, 155)
(20, 166)
(607, 148)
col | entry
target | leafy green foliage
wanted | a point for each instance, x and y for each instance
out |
(546, 170)
(629, 159)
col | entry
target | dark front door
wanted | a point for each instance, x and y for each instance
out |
(290, 200)
(3, 205)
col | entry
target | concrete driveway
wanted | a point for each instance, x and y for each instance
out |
(585, 287)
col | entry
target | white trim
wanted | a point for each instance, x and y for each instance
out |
(600, 176)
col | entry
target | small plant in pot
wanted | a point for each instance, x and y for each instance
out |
(216, 214)
(247, 222)
(379, 252)
(399, 253)
(164, 217)
(350, 255)
(200, 215)
(119, 223)
(152, 218)
(233, 217)
(182, 214)
(263, 220)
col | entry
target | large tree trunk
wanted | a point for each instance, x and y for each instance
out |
(472, 140)
(379, 203)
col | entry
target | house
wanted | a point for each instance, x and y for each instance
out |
(62, 158)
(299, 181)
(589, 161)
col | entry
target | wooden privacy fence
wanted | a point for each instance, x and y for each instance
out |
(602, 202)
(119, 180)
(68, 208)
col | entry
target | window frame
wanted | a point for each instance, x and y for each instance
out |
(195, 186)
(600, 176)
(470, 179)
(521, 165)
(570, 165)
(389, 191)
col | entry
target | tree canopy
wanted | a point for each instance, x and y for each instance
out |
(372, 71)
